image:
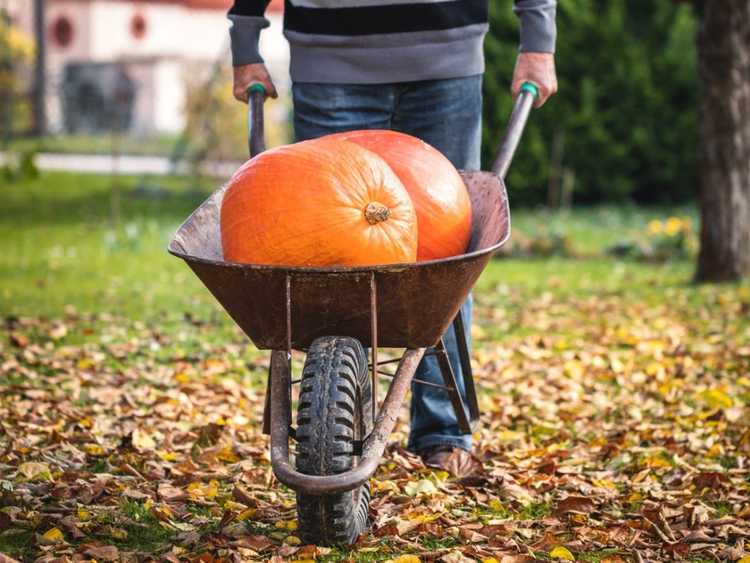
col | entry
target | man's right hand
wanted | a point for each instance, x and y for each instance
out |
(245, 75)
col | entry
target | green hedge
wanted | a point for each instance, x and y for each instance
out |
(626, 106)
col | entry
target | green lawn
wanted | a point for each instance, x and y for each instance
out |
(614, 394)
(162, 145)
(62, 247)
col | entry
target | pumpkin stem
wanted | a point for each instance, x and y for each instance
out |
(376, 212)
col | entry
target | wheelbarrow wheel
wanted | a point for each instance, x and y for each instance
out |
(334, 412)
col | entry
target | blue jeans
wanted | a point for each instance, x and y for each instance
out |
(447, 114)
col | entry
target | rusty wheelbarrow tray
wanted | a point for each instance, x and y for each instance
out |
(396, 306)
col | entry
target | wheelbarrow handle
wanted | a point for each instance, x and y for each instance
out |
(256, 95)
(529, 92)
(517, 123)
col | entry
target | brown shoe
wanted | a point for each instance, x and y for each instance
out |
(456, 461)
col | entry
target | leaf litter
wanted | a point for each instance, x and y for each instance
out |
(613, 429)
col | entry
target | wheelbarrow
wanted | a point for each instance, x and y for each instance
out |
(335, 315)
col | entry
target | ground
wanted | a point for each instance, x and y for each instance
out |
(615, 398)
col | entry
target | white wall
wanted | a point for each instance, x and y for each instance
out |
(171, 30)
(175, 38)
(169, 101)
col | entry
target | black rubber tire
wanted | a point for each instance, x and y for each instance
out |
(334, 410)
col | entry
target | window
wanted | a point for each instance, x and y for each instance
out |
(138, 26)
(62, 31)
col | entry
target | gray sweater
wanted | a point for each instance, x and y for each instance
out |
(385, 41)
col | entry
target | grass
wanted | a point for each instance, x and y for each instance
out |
(160, 145)
(67, 254)
(595, 228)
(145, 532)
(65, 247)
(535, 510)
(14, 542)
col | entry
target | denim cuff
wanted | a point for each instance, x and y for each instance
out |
(245, 35)
(423, 442)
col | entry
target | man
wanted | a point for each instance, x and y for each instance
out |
(414, 66)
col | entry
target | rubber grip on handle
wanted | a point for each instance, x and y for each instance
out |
(529, 87)
(256, 87)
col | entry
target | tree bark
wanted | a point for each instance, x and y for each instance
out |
(40, 70)
(724, 153)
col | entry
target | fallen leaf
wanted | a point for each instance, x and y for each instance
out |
(456, 557)
(19, 340)
(462, 464)
(35, 471)
(170, 493)
(58, 331)
(561, 552)
(710, 480)
(717, 399)
(103, 552)
(421, 487)
(5, 521)
(142, 441)
(575, 504)
(199, 490)
(255, 542)
(51, 537)
(293, 540)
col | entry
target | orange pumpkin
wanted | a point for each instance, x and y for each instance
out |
(437, 191)
(318, 203)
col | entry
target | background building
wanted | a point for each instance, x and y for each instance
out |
(127, 63)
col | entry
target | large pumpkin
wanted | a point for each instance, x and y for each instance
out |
(318, 203)
(439, 194)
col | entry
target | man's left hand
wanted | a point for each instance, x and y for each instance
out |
(539, 69)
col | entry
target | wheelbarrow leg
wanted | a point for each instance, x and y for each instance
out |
(452, 387)
(463, 353)
(267, 404)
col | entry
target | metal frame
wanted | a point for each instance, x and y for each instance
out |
(277, 416)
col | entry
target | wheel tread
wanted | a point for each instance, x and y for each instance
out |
(334, 387)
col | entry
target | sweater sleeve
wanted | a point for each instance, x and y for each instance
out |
(247, 21)
(538, 27)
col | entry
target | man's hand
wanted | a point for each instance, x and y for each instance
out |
(539, 69)
(245, 75)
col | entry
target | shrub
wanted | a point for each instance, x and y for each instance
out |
(626, 105)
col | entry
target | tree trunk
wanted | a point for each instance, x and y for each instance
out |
(40, 70)
(724, 153)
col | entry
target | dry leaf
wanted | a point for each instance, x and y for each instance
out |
(34, 471)
(462, 464)
(561, 552)
(421, 487)
(575, 504)
(51, 537)
(456, 557)
(142, 441)
(103, 552)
